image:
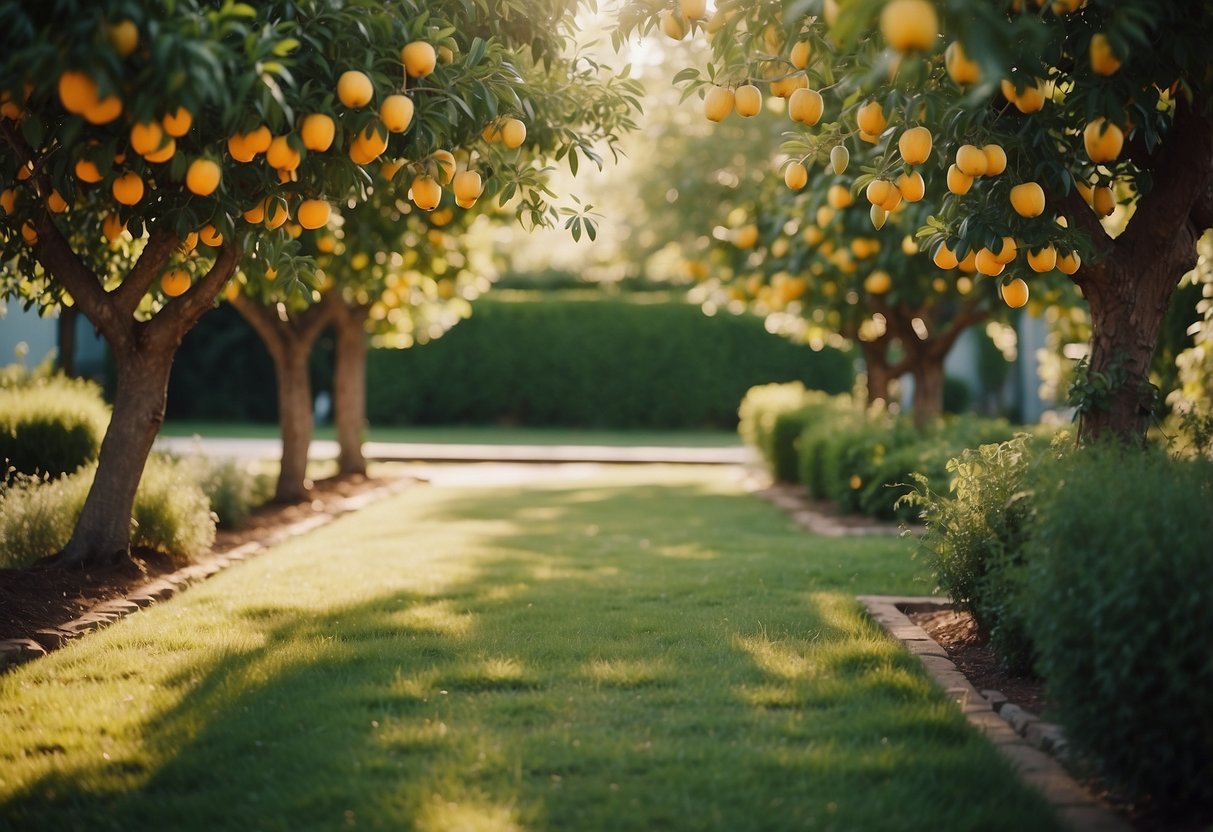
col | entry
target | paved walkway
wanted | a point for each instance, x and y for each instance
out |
(436, 452)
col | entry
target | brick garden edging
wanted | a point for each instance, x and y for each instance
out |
(1018, 735)
(791, 498)
(20, 650)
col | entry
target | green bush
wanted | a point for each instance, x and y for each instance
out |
(591, 363)
(1120, 605)
(50, 425)
(233, 488)
(774, 417)
(171, 513)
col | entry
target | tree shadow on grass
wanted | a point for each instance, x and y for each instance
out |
(598, 668)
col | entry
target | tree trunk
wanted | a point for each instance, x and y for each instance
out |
(878, 370)
(296, 421)
(349, 389)
(928, 389)
(65, 335)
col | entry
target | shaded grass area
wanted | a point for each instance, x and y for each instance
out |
(477, 435)
(650, 649)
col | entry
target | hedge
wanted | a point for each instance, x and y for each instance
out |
(591, 363)
(49, 425)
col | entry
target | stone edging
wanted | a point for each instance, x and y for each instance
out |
(1003, 724)
(18, 651)
(791, 499)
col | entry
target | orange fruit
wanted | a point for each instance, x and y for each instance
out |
(839, 196)
(796, 176)
(276, 213)
(426, 193)
(259, 140)
(1014, 292)
(747, 100)
(879, 191)
(87, 171)
(970, 160)
(996, 159)
(467, 186)
(513, 133)
(313, 213)
(958, 181)
(355, 89)
(944, 257)
(877, 283)
(911, 186)
(1028, 199)
(419, 58)
(396, 113)
(960, 69)
(806, 106)
(29, 234)
(915, 145)
(368, 145)
(717, 103)
(672, 24)
(210, 236)
(124, 37)
(175, 282)
(1103, 59)
(77, 91)
(112, 227)
(56, 203)
(1007, 251)
(693, 9)
(8, 200)
(1103, 201)
(1068, 263)
(870, 118)
(146, 137)
(256, 214)
(1103, 140)
(202, 177)
(317, 131)
(128, 188)
(1042, 259)
(987, 263)
(177, 123)
(968, 263)
(1031, 100)
(800, 54)
(746, 236)
(281, 155)
(167, 151)
(104, 111)
(390, 168)
(909, 25)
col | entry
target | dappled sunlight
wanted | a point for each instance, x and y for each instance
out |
(688, 551)
(435, 617)
(627, 673)
(776, 658)
(467, 814)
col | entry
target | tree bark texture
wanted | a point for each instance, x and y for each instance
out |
(65, 338)
(349, 387)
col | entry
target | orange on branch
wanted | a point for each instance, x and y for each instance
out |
(718, 103)
(355, 89)
(959, 182)
(1103, 140)
(871, 119)
(396, 113)
(911, 186)
(806, 106)
(960, 69)
(317, 131)
(175, 282)
(177, 123)
(313, 213)
(1042, 259)
(1014, 292)
(425, 192)
(128, 188)
(203, 177)
(915, 145)
(909, 25)
(796, 176)
(1028, 199)
(77, 91)
(280, 155)
(419, 58)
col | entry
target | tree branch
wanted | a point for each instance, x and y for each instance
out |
(149, 266)
(264, 322)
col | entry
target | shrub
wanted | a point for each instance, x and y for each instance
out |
(233, 488)
(50, 425)
(171, 513)
(1120, 603)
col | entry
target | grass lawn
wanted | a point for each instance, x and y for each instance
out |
(476, 435)
(649, 649)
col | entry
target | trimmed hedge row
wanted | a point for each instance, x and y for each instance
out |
(49, 425)
(591, 363)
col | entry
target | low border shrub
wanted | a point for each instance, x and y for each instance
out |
(50, 424)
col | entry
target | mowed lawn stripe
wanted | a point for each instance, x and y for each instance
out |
(651, 648)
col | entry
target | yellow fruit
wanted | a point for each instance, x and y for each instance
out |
(718, 103)
(746, 236)
(8, 200)
(467, 186)
(128, 188)
(800, 54)
(189, 243)
(909, 25)
(911, 186)
(396, 113)
(892, 200)
(369, 145)
(1068, 263)
(1030, 100)
(825, 215)
(513, 132)
(877, 283)
(202, 177)
(968, 263)
(971, 160)
(747, 100)
(796, 176)
(878, 191)
(259, 140)
(313, 213)
(146, 137)
(959, 182)
(879, 216)
(419, 58)
(840, 157)
(112, 227)
(238, 149)
(693, 9)
(806, 106)
(77, 91)
(86, 171)
(276, 213)
(1103, 201)
(1042, 259)
(29, 234)
(426, 193)
(317, 131)
(944, 257)
(1103, 140)
(1008, 251)
(870, 118)
(1103, 59)
(326, 244)
(355, 89)
(167, 151)
(281, 155)
(390, 168)
(11, 110)
(104, 111)
(175, 282)
(960, 69)
(231, 290)
(210, 236)
(444, 161)
(256, 214)
(1014, 293)
(987, 263)
(177, 123)
(672, 24)
(996, 159)
(915, 145)
(56, 203)
(839, 196)
(124, 37)
(1028, 199)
